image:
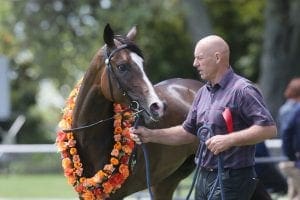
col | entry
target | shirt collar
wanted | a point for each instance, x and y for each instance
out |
(223, 82)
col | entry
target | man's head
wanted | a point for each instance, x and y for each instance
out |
(292, 91)
(211, 58)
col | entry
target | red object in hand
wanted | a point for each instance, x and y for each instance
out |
(228, 119)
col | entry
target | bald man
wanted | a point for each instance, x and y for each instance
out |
(249, 120)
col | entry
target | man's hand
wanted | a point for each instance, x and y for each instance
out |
(218, 143)
(141, 135)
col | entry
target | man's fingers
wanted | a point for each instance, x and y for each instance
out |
(135, 138)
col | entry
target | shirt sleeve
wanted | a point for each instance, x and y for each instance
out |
(252, 107)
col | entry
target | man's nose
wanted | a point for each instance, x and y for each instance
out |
(195, 63)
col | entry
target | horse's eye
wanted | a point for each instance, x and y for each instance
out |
(123, 67)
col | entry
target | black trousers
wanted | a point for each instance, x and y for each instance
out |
(239, 184)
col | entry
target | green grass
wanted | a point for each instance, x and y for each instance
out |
(35, 186)
(55, 187)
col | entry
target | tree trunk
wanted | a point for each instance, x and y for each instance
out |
(281, 50)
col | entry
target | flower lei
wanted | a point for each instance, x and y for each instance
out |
(114, 174)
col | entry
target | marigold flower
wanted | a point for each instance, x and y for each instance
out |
(101, 174)
(63, 124)
(117, 137)
(114, 161)
(70, 136)
(116, 180)
(118, 130)
(123, 169)
(66, 163)
(71, 143)
(76, 158)
(108, 168)
(79, 188)
(130, 143)
(117, 108)
(117, 122)
(115, 152)
(89, 182)
(118, 116)
(126, 132)
(71, 180)
(79, 171)
(73, 151)
(88, 195)
(118, 146)
(124, 159)
(127, 149)
(68, 172)
(64, 154)
(61, 136)
(127, 115)
(61, 146)
(107, 187)
(77, 165)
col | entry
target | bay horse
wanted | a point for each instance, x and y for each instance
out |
(116, 75)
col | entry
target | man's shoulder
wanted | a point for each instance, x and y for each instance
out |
(239, 83)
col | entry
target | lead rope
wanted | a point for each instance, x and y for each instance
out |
(229, 125)
(218, 180)
(146, 157)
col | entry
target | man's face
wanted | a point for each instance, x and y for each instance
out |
(205, 62)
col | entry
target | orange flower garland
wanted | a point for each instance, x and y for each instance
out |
(113, 175)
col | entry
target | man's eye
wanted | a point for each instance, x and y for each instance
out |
(122, 67)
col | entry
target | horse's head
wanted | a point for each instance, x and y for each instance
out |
(124, 79)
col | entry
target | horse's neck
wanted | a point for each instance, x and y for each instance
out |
(90, 98)
(90, 107)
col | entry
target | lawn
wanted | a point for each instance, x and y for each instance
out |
(35, 186)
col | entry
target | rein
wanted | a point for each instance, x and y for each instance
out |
(98, 122)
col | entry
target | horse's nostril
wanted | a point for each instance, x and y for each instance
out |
(154, 107)
(157, 109)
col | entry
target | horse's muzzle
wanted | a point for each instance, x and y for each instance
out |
(157, 110)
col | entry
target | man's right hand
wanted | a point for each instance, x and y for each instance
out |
(141, 135)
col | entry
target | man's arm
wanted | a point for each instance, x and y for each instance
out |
(249, 136)
(170, 136)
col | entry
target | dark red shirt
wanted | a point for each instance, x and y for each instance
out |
(247, 108)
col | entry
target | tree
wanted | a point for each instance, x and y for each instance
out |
(281, 50)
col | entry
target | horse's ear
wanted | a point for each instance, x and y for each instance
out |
(108, 36)
(132, 33)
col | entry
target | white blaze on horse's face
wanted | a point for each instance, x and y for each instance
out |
(155, 105)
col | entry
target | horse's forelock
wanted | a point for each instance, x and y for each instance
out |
(131, 45)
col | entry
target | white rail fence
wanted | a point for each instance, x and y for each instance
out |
(273, 145)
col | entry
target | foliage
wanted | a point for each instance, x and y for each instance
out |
(56, 40)
(240, 22)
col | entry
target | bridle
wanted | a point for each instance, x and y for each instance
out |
(112, 72)
(134, 105)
